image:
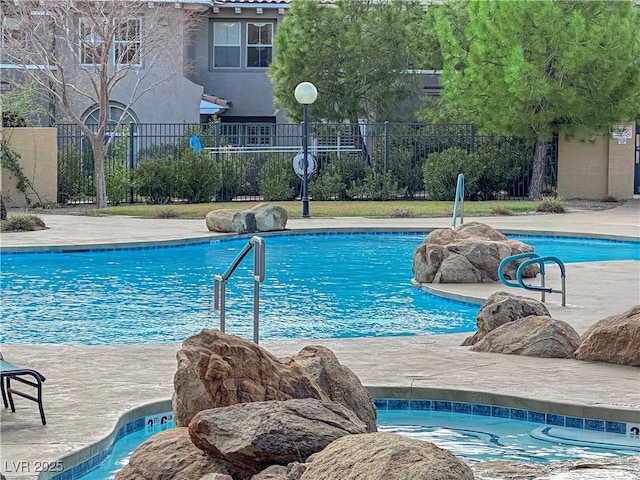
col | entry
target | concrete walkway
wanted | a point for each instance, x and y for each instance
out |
(89, 388)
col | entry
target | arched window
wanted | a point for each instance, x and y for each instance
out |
(116, 114)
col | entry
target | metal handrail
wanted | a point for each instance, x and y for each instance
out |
(459, 200)
(534, 258)
(220, 283)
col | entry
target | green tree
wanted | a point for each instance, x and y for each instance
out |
(354, 51)
(523, 68)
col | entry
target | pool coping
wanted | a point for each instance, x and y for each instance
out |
(298, 231)
(591, 418)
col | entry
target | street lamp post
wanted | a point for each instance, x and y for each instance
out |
(306, 93)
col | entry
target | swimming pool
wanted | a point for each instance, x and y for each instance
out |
(316, 286)
(474, 438)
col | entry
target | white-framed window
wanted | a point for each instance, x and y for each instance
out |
(259, 134)
(12, 31)
(259, 44)
(127, 41)
(91, 44)
(226, 45)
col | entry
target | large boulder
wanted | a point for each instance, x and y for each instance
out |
(615, 339)
(170, 455)
(263, 217)
(270, 217)
(384, 456)
(338, 382)
(231, 221)
(217, 370)
(470, 253)
(255, 435)
(533, 336)
(503, 307)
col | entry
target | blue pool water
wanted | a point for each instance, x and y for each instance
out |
(316, 286)
(473, 438)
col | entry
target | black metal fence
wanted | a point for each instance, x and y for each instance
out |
(254, 161)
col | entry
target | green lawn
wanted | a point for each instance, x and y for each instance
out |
(409, 208)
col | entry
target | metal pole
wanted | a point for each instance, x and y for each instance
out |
(130, 147)
(305, 161)
(386, 147)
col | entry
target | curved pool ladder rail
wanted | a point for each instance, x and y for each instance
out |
(534, 258)
(220, 283)
(459, 201)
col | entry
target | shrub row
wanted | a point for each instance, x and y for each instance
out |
(195, 178)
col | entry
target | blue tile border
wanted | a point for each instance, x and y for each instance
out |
(398, 404)
(85, 467)
(519, 414)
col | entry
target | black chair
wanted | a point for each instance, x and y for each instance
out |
(10, 372)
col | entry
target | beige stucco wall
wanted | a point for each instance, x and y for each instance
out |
(38, 149)
(621, 166)
(595, 168)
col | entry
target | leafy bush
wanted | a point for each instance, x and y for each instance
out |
(75, 181)
(401, 213)
(276, 179)
(406, 170)
(440, 173)
(340, 170)
(375, 186)
(328, 186)
(197, 177)
(232, 177)
(551, 205)
(167, 213)
(118, 182)
(22, 223)
(499, 164)
(155, 180)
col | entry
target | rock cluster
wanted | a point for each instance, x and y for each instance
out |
(518, 325)
(243, 414)
(263, 217)
(470, 253)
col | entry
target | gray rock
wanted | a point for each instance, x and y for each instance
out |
(457, 269)
(533, 336)
(484, 255)
(503, 307)
(270, 217)
(338, 382)
(615, 339)
(259, 434)
(231, 221)
(384, 456)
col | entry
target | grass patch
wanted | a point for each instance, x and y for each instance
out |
(22, 223)
(416, 208)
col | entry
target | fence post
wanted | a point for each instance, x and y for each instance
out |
(472, 140)
(131, 146)
(386, 147)
(217, 135)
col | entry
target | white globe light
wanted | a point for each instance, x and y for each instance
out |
(306, 93)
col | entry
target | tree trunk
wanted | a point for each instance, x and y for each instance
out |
(537, 175)
(98, 165)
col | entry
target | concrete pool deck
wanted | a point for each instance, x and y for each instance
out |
(89, 388)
